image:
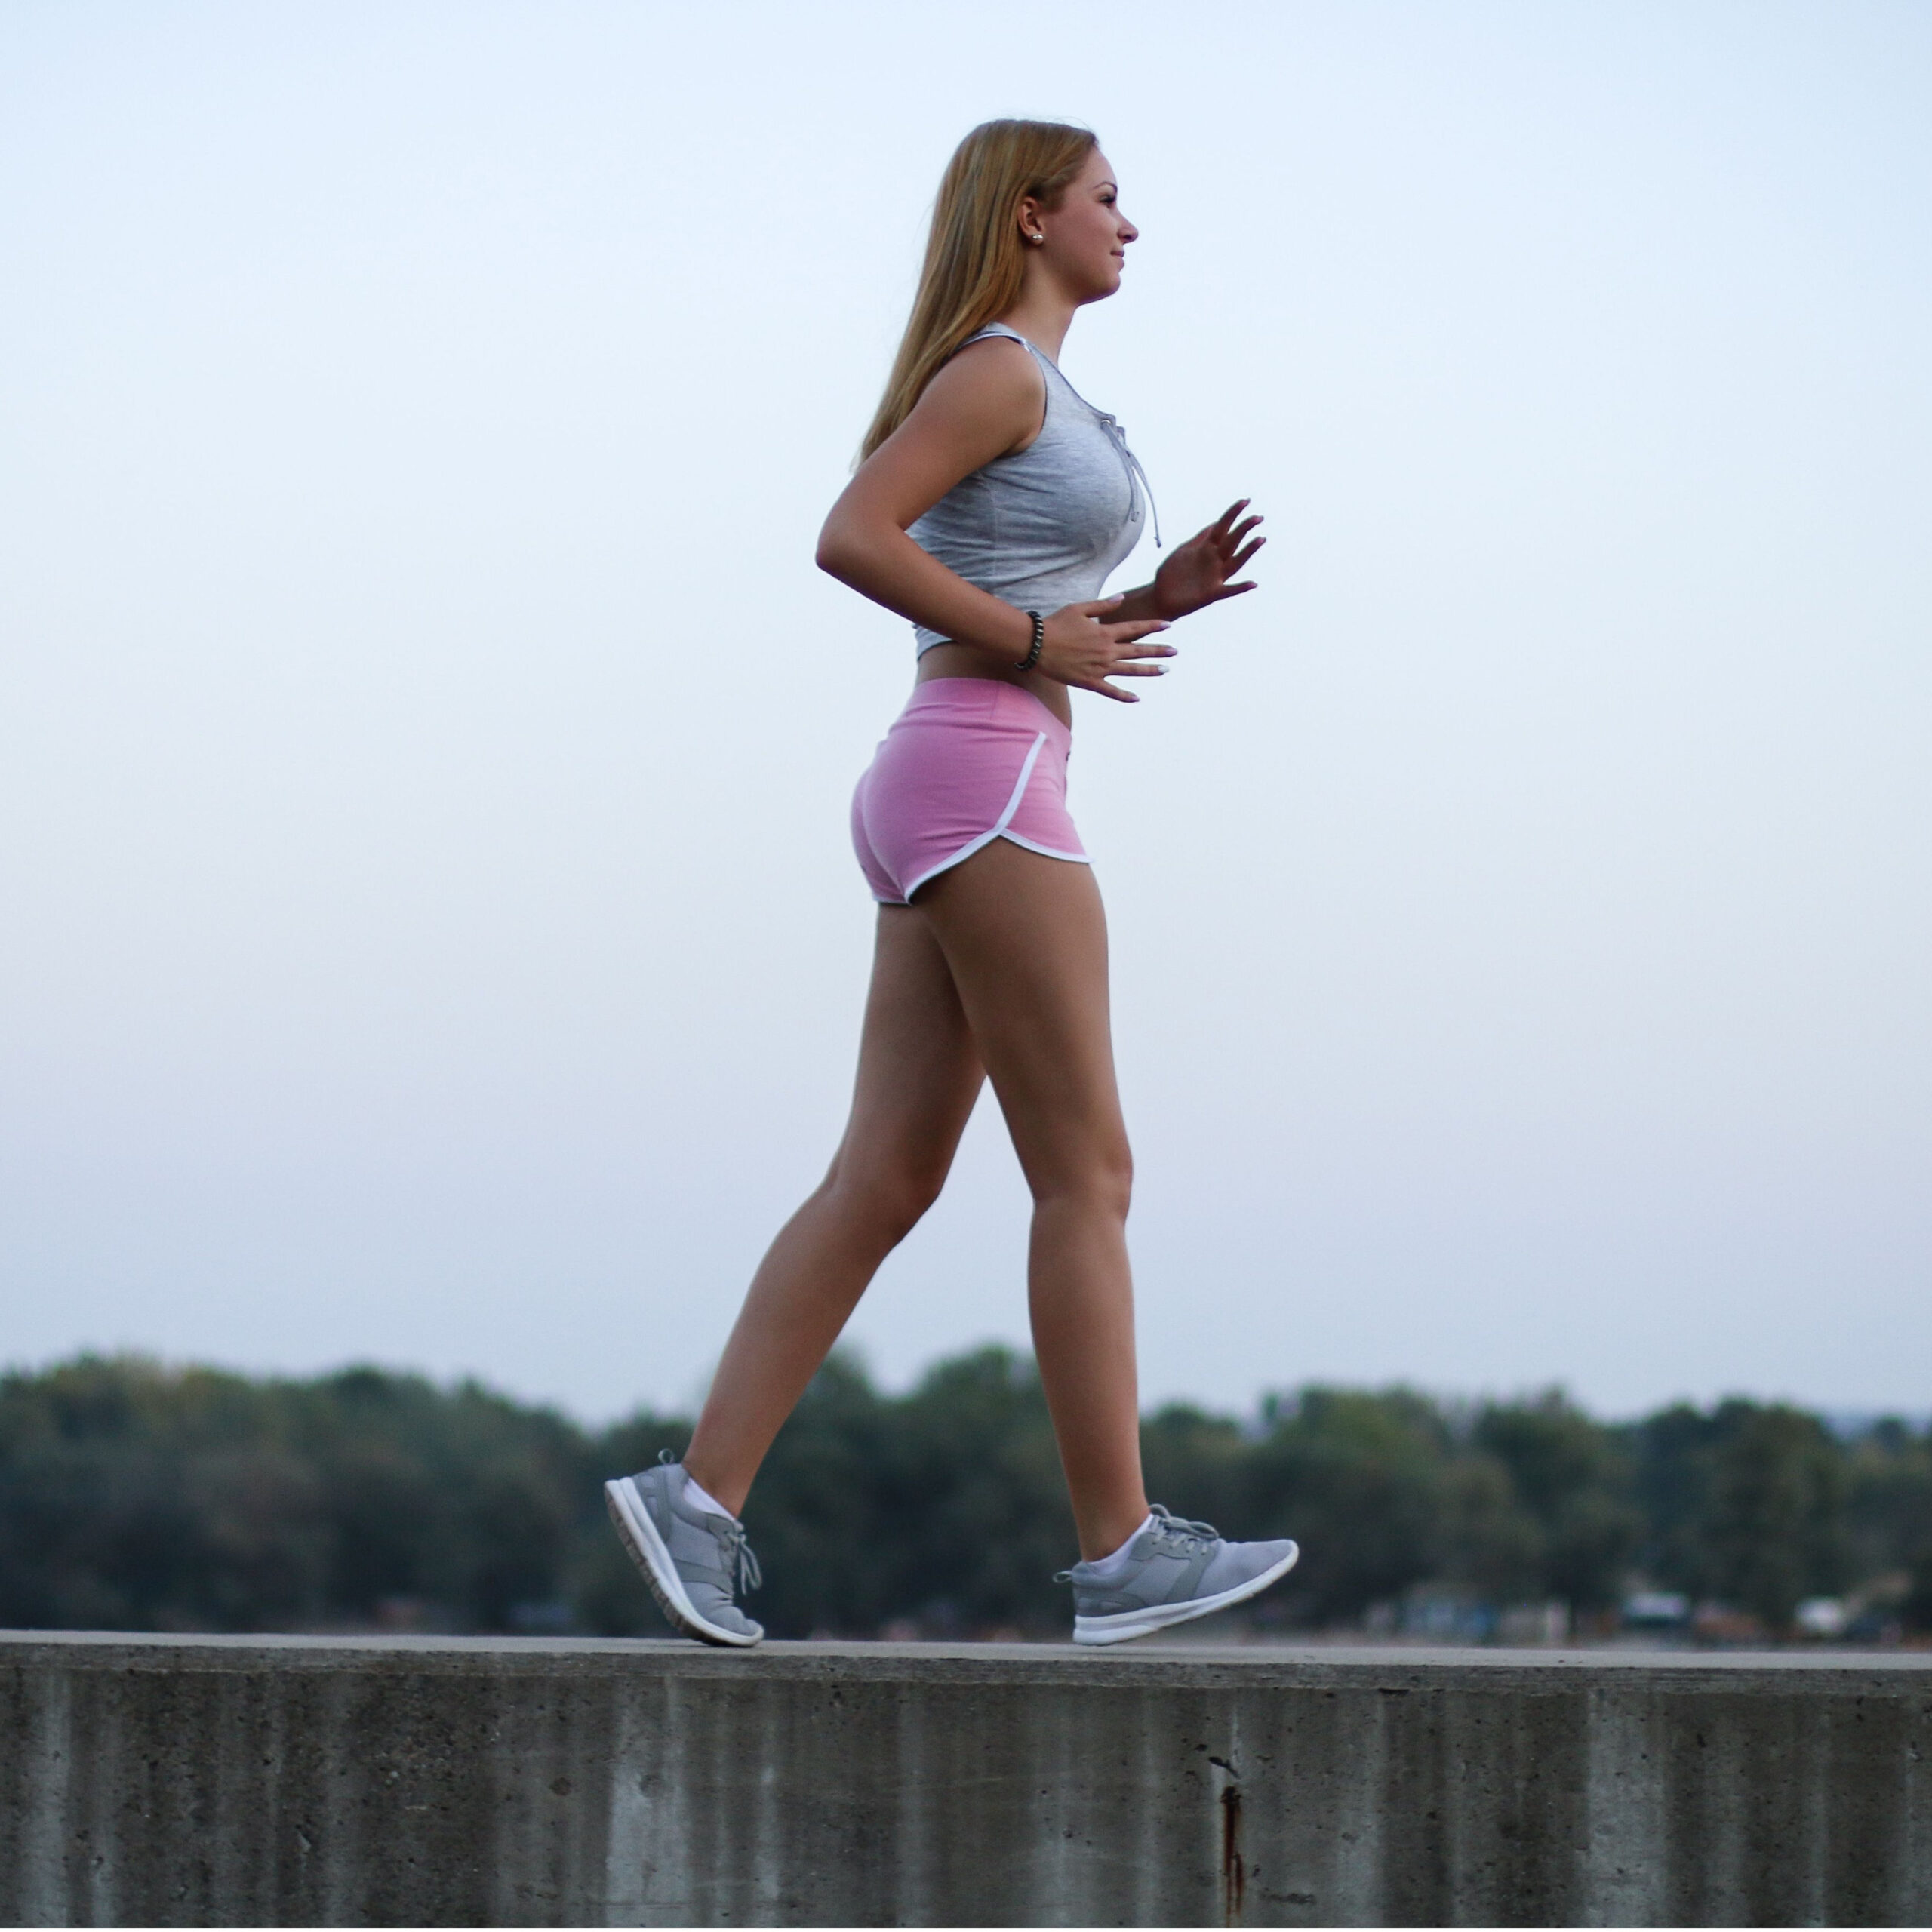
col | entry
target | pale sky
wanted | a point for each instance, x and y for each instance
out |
(430, 934)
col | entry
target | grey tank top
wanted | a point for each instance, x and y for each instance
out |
(1046, 527)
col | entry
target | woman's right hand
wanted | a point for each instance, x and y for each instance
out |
(1082, 648)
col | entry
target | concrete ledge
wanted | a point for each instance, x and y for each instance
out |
(209, 1781)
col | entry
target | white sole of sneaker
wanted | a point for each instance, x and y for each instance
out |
(639, 1536)
(1124, 1624)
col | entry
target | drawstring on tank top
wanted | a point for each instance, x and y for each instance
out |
(1136, 475)
(1117, 436)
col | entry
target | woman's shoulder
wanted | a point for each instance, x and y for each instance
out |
(993, 378)
(998, 356)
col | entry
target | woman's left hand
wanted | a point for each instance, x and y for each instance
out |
(1199, 571)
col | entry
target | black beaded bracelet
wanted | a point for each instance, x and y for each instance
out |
(1032, 657)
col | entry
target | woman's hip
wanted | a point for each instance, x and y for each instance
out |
(968, 761)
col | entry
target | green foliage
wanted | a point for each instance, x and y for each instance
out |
(1916, 1611)
(1888, 1503)
(1358, 1480)
(136, 1496)
(1673, 1454)
(1752, 1503)
(1573, 1481)
(1776, 1533)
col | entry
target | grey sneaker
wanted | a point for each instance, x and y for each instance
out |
(694, 1560)
(1175, 1571)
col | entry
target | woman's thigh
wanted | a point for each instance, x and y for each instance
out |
(919, 1073)
(1025, 938)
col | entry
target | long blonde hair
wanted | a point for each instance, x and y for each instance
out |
(974, 255)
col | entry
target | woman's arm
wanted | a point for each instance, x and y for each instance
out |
(987, 402)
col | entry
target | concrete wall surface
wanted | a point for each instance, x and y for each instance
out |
(452, 1781)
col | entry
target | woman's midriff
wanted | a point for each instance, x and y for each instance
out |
(960, 660)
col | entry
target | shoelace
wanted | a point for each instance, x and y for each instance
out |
(1174, 1536)
(739, 1560)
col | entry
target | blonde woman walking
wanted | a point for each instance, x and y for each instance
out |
(991, 504)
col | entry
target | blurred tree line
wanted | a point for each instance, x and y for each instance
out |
(134, 1497)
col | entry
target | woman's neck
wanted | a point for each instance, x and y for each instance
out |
(1043, 316)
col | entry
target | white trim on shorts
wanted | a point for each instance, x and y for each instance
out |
(999, 831)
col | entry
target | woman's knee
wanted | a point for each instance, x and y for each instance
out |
(885, 1205)
(1099, 1180)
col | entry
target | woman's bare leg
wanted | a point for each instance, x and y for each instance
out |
(1026, 940)
(919, 1076)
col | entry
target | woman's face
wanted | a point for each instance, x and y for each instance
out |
(1087, 235)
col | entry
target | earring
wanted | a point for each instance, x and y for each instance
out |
(1036, 239)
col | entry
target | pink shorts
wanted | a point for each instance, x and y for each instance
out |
(968, 761)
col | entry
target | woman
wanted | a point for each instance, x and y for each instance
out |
(990, 504)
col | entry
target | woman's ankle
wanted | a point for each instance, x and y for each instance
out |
(716, 1484)
(1103, 1531)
